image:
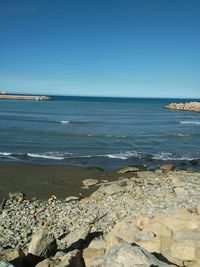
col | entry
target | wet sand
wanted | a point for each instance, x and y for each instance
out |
(42, 181)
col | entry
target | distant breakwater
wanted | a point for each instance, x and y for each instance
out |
(189, 106)
(25, 97)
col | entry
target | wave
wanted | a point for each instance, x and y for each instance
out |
(169, 156)
(190, 122)
(65, 122)
(121, 156)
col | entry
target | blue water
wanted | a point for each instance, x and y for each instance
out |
(108, 132)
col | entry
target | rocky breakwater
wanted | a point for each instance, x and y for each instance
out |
(143, 219)
(25, 97)
(190, 106)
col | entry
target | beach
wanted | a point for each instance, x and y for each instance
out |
(42, 181)
(158, 212)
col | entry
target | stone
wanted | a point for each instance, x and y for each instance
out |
(72, 259)
(90, 253)
(122, 230)
(198, 208)
(184, 251)
(17, 195)
(71, 198)
(43, 244)
(5, 263)
(187, 235)
(75, 238)
(15, 255)
(108, 190)
(90, 182)
(46, 263)
(127, 256)
(167, 167)
(188, 106)
(128, 169)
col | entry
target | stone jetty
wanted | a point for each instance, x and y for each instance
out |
(189, 106)
(25, 97)
(143, 219)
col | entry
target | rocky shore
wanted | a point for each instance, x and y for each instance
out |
(190, 106)
(142, 219)
(25, 97)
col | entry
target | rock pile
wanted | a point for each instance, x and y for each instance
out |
(190, 106)
(25, 97)
(147, 219)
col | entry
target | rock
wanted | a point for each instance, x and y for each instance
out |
(90, 253)
(127, 256)
(5, 263)
(167, 167)
(71, 198)
(187, 235)
(90, 182)
(122, 230)
(75, 238)
(109, 189)
(47, 263)
(198, 208)
(17, 195)
(72, 259)
(128, 169)
(184, 251)
(43, 244)
(188, 106)
(16, 256)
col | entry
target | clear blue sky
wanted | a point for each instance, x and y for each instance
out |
(145, 48)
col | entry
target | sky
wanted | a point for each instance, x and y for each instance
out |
(122, 48)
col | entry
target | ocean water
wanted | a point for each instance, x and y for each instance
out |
(106, 132)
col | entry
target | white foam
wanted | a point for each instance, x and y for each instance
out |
(169, 156)
(46, 156)
(65, 122)
(190, 122)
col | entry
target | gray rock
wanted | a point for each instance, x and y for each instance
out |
(76, 237)
(126, 255)
(109, 189)
(43, 244)
(4, 263)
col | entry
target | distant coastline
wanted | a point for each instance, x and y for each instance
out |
(25, 97)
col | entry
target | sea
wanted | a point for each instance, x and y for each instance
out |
(97, 131)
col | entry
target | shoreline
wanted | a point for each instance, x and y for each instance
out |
(43, 180)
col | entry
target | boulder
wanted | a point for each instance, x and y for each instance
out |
(127, 256)
(75, 238)
(43, 244)
(90, 182)
(184, 251)
(128, 169)
(16, 256)
(167, 167)
(90, 253)
(72, 259)
(5, 263)
(47, 263)
(110, 189)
